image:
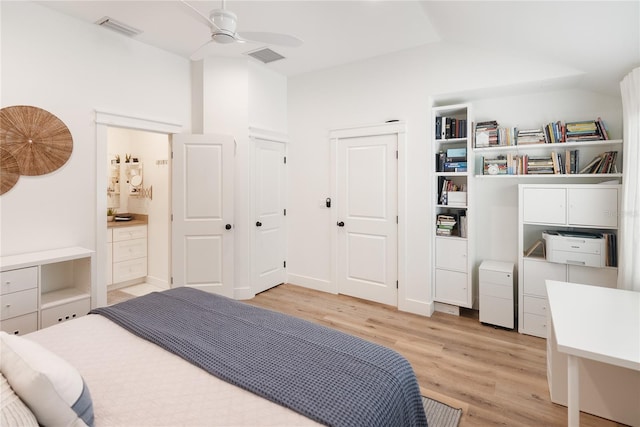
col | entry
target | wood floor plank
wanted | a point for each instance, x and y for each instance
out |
(497, 376)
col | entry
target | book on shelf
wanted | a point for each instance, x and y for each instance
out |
(486, 134)
(450, 127)
(451, 224)
(444, 187)
(586, 130)
(530, 136)
(611, 246)
(602, 163)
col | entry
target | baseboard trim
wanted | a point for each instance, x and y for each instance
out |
(311, 283)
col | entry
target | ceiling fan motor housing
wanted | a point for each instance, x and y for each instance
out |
(226, 23)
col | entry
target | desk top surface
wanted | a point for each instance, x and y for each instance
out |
(597, 323)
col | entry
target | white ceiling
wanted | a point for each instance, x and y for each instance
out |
(599, 38)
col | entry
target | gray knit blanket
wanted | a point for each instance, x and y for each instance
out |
(330, 377)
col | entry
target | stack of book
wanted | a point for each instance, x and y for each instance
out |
(486, 134)
(586, 130)
(530, 136)
(602, 163)
(446, 225)
(539, 165)
(456, 160)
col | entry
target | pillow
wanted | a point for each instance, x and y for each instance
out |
(13, 413)
(52, 388)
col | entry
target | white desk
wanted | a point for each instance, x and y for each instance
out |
(595, 323)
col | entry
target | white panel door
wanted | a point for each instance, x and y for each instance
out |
(269, 209)
(202, 228)
(367, 264)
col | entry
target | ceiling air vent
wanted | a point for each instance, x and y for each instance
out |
(265, 55)
(118, 26)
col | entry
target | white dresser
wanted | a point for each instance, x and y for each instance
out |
(40, 289)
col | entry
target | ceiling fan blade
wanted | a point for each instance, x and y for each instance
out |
(201, 52)
(201, 16)
(270, 38)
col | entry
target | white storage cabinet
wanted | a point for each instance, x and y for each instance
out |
(582, 207)
(40, 289)
(497, 293)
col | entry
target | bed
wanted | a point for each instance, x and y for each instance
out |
(185, 357)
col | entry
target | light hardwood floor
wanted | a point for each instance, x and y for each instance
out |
(497, 377)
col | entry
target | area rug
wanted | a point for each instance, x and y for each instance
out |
(439, 414)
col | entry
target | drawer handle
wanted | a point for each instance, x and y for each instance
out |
(8, 305)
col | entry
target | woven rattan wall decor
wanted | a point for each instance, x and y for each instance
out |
(38, 142)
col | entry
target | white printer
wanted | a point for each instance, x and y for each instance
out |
(574, 247)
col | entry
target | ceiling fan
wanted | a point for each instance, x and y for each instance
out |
(222, 24)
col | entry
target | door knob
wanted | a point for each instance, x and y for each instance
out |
(340, 224)
(227, 227)
(258, 224)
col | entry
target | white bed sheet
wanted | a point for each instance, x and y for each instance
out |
(136, 383)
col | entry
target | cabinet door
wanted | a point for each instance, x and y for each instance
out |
(536, 272)
(593, 207)
(544, 205)
(451, 287)
(605, 277)
(451, 253)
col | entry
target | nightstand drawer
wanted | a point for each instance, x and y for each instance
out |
(129, 249)
(62, 313)
(18, 303)
(19, 280)
(21, 325)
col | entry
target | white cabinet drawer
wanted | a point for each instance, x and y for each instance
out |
(62, 313)
(18, 303)
(451, 254)
(21, 325)
(496, 311)
(128, 233)
(534, 305)
(109, 235)
(129, 249)
(451, 287)
(128, 270)
(573, 258)
(535, 325)
(19, 280)
(495, 290)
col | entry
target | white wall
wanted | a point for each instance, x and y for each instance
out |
(238, 94)
(71, 68)
(397, 86)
